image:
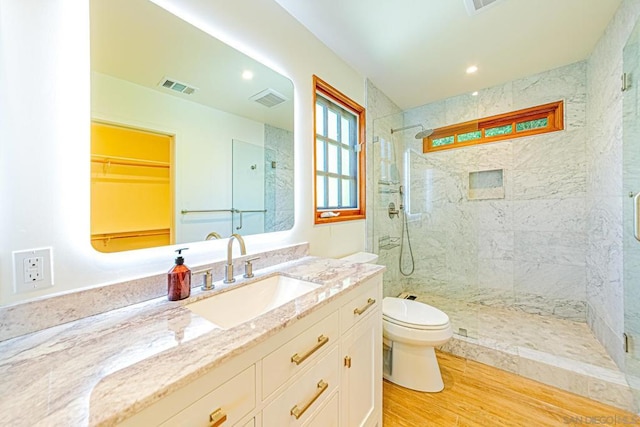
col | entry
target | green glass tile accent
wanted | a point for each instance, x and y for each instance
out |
(442, 141)
(501, 130)
(532, 124)
(469, 136)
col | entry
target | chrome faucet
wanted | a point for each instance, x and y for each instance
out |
(228, 271)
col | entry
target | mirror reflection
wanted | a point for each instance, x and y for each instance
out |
(190, 139)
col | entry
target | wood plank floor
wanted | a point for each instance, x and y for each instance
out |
(478, 395)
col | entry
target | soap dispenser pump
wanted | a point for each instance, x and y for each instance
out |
(179, 279)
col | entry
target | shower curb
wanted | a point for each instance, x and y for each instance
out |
(594, 382)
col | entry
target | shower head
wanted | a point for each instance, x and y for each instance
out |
(420, 135)
(424, 133)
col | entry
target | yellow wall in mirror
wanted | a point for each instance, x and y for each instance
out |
(131, 188)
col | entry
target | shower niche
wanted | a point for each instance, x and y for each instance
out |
(486, 185)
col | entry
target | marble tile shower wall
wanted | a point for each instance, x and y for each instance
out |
(279, 180)
(528, 249)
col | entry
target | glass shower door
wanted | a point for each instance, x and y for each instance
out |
(412, 240)
(631, 207)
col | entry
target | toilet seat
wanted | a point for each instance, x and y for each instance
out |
(413, 314)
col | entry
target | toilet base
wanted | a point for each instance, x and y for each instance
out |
(415, 367)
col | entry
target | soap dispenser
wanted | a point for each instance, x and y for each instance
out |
(179, 279)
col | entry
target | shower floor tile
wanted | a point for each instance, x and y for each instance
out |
(512, 327)
(555, 351)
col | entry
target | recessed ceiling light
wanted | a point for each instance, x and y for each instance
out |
(472, 69)
(247, 75)
(474, 93)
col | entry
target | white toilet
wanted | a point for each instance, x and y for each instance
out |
(411, 331)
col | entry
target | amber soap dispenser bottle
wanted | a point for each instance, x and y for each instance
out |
(179, 279)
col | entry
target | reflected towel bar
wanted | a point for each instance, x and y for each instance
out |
(232, 210)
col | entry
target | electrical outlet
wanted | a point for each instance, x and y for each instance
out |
(32, 269)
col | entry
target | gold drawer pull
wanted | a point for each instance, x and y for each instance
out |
(297, 412)
(359, 311)
(322, 340)
(217, 417)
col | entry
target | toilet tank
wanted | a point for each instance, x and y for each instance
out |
(361, 258)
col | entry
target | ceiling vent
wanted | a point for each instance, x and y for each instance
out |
(476, 6)
(269, 98)
(174, 84)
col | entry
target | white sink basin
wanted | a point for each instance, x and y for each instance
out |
(246, 302)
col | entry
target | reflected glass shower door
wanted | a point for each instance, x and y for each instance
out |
(631, 209)
(248, 188)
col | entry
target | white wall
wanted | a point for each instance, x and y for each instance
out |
(203, 145)
(44, 134)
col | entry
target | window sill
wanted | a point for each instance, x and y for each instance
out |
(344, 216)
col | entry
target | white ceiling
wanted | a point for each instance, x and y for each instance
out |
(417, 51)
(138, 41)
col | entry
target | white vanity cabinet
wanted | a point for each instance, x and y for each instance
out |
(361, 345)
(325, 370)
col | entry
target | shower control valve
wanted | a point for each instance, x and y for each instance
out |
(393, 211)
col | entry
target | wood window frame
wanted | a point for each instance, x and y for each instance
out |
(553, 112)
(332, 94)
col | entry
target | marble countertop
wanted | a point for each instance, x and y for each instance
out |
(102, 369)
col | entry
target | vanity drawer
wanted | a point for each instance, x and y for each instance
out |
(298, 353)
(306, 395)
(224, 406)
(327, 416)
(368, 299)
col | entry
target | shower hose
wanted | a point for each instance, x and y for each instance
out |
(405, 228)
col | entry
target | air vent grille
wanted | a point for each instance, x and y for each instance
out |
(475, 6)
(174, 84)
(269, 98)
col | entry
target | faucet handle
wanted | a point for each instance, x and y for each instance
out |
(248, 267)
(207, 279)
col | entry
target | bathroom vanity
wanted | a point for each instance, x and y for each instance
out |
(315, 360)
(323, 370)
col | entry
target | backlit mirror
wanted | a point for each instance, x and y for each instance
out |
(191, 139)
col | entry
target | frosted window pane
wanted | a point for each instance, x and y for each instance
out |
(532, 124)
(321, 192)
(346, 155)
(469, 136)
(501, 130)
(332, 159)
(345, 131)
(333, 125)
(442, 141)
(333, 192)
(320, 120)
(320, 160)
(346, 193)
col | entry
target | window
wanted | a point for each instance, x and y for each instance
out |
(530, 121)
(339, 155)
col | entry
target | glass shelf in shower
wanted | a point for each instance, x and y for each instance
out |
(388, 190)
(386, 182)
